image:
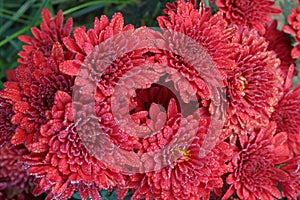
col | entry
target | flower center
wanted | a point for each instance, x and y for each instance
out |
(241, 81)
(185, 155)
(146, 99)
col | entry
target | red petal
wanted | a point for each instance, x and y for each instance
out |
(68, 27)
(296, 52)
(220, 3)
(100, 25)
(61, 99)
(19, 137)
(21, 106)
(53, 175)
(84, 193)
(280, 138)
(229, 192)
(82, 39)
(117, 23)
(25, 38)
(94, 194)
(289, 78)
(46, 15)
(68, 193)
(172, 108)
(59, 189)
(121, 193)
(36, 33)
(59, 19)
(71, 45)
(288, 29)
(63, 165)
(38, 170)
(153, 111)
(54, 160)
(280, 175)
(38, 147)
(37, 190)
(57, 52)
(38, 59)
(70, 67)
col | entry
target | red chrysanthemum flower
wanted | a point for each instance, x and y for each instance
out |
(39, 48)
(83, 43)
(33, 102)
(293, 29)
(67, 166)
(83, 46)
(291, 187)
(287, 117)
(37, 78)
(211, 32)
(15, 183)
(251, 13)
(189, 177)
(254, 85)
(281, 45)
(255, 174)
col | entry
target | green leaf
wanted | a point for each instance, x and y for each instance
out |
(90, 3)
(16, 15)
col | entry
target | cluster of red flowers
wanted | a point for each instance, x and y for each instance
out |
(255, 156)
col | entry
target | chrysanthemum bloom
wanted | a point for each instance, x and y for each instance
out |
(281, 45)
(39, 48)
(255, 174)
(251, 13)
(293, 29)
(287, 117)
(15, 183)
(291, 187)
(37, 78)
(209, 31)
(67, 166)
(83, 46)
(189, 177)
(84, 42)
(33, 101)
(254, 85)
